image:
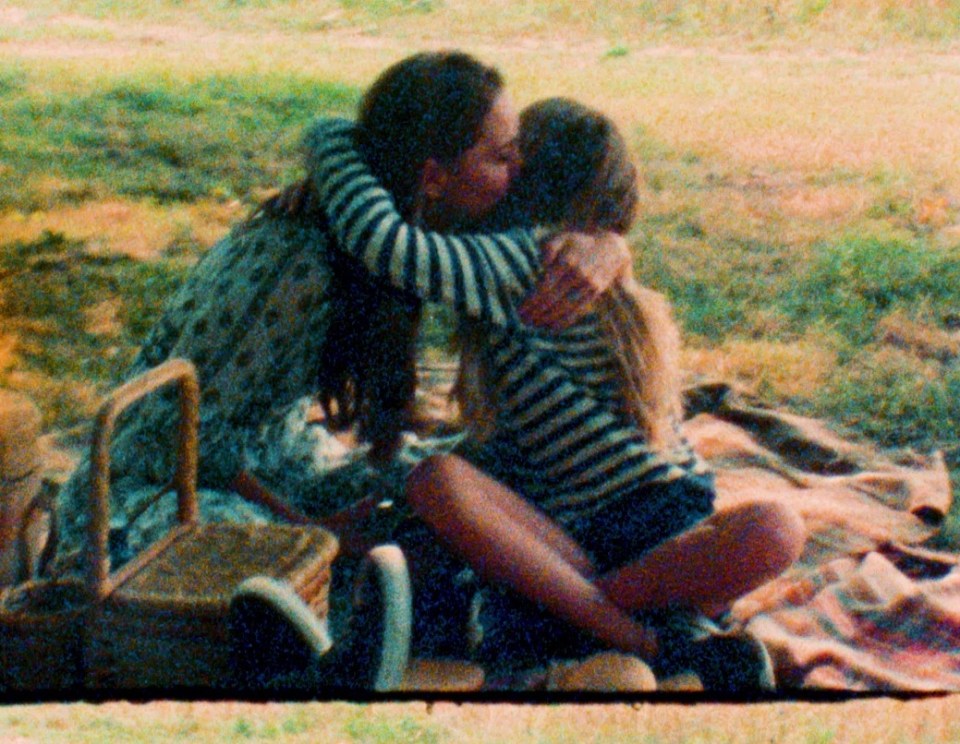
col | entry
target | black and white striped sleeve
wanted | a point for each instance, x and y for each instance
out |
(481, 276)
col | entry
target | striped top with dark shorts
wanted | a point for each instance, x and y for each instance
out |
(562, 439)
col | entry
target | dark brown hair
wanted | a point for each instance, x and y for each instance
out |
(430, 105)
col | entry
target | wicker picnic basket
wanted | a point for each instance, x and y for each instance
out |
(41, 636)
(161, 620)
(41, 621)
(163, 623)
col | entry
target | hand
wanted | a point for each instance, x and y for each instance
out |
(577, 269)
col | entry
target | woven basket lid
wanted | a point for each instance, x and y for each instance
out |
(19, 430)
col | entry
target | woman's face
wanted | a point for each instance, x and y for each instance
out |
(480, 178)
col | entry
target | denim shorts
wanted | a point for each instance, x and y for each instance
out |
(628, 525)
(626, 528)
(515, 632)
(518, 634)
(455, 615)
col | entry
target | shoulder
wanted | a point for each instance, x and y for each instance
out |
(325, 130)
(263, 241)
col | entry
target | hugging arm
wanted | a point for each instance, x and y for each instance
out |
(577, 269)
(480, 275)
(581, 442)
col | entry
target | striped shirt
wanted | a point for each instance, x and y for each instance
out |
(562, 436)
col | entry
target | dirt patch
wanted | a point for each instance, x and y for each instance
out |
(12, 17)
(102, 319)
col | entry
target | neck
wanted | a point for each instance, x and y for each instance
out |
(433, 216)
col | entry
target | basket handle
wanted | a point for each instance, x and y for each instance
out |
(184, 374)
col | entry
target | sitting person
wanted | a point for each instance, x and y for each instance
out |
(586, 500)
(255, 318)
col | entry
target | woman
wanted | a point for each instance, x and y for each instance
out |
(257, 313)
(612, 519)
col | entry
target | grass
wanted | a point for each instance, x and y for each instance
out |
(800, 188)
(78, 316)
(157, 140)
(800, 162)
(138, 152)
(868, 21)
(876, 721)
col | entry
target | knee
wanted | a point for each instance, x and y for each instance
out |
(777, 530)
(430, 483)
(768, 536)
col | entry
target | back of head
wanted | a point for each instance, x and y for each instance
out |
(577, 174)
(577, 171)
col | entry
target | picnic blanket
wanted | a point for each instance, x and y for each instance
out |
(866, 607)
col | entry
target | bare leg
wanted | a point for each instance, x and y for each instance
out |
(509, 542)
(709, 566)
(453, 470)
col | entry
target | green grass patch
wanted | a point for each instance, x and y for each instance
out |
(852, 284)
(12, 81)
(717, 283)
(222, 137)
(385, 8)
(896, 399)
(726, 287)
(364, 728)
(620, 50)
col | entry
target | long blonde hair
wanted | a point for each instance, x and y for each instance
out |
(645, 342)
(577, 174)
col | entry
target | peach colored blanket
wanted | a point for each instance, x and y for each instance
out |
(867, 607)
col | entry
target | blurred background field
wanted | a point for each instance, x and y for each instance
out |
(800, 163)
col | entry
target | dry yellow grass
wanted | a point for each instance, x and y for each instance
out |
(877, 721)
(797, 106)
(135, 229)
(8, 350)
(924, 341)
(782, 370)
